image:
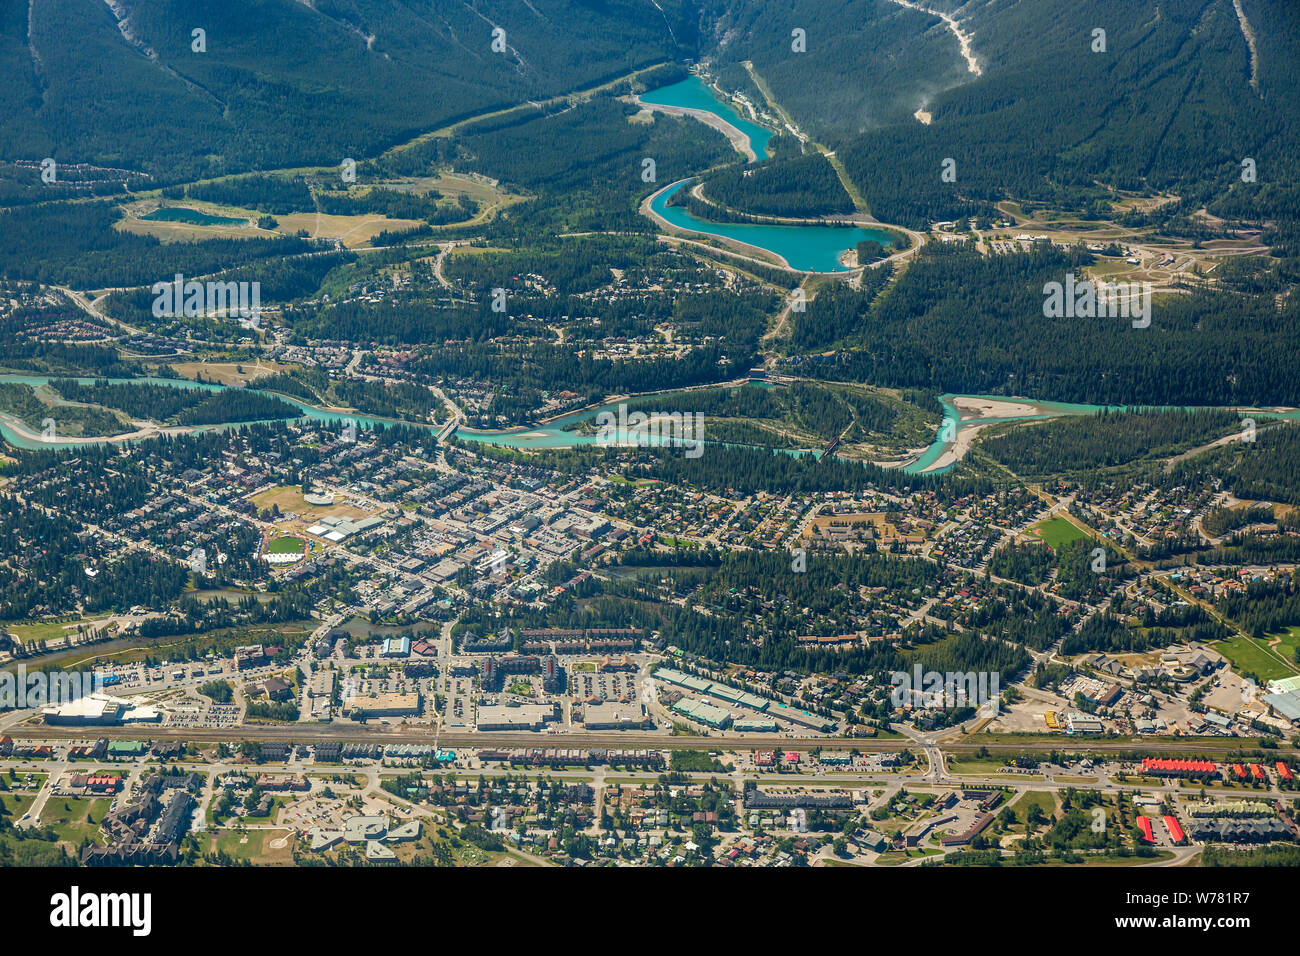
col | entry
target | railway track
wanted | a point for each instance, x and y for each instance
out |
(365, 734)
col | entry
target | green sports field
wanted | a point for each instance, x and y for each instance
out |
(1058, 531)
(285, 545)
(1252, 656)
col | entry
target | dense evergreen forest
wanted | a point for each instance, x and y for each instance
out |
(524, 372)
(815, 410)
(1069, 567)
(278, 195)
(800, 187)
(180, 406)
(61, 357)
(753, 595)
(1266, 469)
(1219, 521)
(592, 157)
(1108, 438)
(1027, 563)
(397, 322)
(22, 402)
(1266, 607)
(281, 195)
(354, 75)
(50, 578)
(368, 74)
(750, 470)
(960, 322)
(75, 244)
(1107, 633)
(1042, 119)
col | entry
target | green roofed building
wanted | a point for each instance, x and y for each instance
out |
(126, 748)
(689, 681)
(706, 714)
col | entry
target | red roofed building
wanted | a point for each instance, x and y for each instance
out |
(1161, 767)
(1257, 771)
(1175, 830)
(1144, 824)
(1283, 770)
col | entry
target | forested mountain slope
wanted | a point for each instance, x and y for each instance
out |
(1175, 102)
(1168, 105)
(119, 83)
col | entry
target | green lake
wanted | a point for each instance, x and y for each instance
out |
(190, 216)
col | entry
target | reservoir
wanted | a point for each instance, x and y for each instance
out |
(693, 93)
(807, 248)
(191, 217)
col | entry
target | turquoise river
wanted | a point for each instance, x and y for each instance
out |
(558, 433)
(806, 247)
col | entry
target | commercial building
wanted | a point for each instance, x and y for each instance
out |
(125, 749)
(702, 712)
(611, 715)
(803, 718)
(94, 783)
(515, 716)
(251, 655)
(756, 799)
(1077, 723)
(974, 830)
(1159, 767)
(1285, 705)
(339, 529)
(97, 710)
